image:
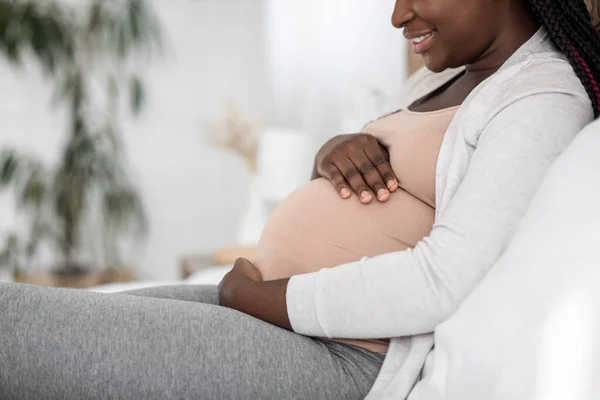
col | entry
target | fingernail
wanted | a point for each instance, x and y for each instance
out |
(391, 184)
(365, 195)
(345, 192)
(381, 193)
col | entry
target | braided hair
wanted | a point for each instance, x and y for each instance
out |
(569, 24)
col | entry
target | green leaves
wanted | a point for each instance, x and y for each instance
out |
(11, 254)
(123, 209)
(30, 183)
(33, 191)
(8, 167)
(22, 172)
(136, 91)
(81, 46)
(39, 27)
(123, 27)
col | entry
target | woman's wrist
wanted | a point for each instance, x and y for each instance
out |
(243, 290)
(265, 301)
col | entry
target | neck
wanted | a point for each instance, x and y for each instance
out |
(519, 26)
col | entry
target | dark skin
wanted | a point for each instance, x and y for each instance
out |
(477, 34)
(594, 7)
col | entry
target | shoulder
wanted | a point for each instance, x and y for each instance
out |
(534, 89)
(536, 75)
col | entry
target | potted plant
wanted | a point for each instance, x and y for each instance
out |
(80, 48)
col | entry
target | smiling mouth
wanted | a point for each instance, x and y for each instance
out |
(423, 38)
(423, 43)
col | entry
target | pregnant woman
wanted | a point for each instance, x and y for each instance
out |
(350, 279)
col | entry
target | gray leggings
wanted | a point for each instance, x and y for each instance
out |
(163, 343)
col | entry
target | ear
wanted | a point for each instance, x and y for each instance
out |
(594, 8)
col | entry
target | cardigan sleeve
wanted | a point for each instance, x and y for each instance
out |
(411, 292)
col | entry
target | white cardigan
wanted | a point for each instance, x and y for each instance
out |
(496, 151)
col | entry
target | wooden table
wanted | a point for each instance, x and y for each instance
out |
(82, 281)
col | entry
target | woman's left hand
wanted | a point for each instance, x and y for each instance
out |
(243, 290)
(242, 274)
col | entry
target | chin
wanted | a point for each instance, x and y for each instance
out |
(434, 65)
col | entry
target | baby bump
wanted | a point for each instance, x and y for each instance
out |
(314, 229)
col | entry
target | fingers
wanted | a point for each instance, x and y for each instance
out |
(331, 172)
(355, 178)
(362, 165)
(370, 157)
(380, 158)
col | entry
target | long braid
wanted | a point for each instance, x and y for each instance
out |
(569, 25)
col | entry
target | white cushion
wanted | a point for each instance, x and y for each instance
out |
(531, 330)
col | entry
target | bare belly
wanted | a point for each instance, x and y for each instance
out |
(314, 229)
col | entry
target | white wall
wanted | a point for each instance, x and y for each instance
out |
(296, 63)
(327, 58)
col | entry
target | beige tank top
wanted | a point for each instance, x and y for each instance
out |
(314, 228)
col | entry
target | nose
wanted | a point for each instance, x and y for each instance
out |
(403, 13)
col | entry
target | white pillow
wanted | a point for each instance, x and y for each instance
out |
(531, 330)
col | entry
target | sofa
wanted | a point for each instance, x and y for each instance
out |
(531, 329)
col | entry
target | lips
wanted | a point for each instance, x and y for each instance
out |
(422, 41)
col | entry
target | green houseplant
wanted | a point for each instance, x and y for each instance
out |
(81, 47)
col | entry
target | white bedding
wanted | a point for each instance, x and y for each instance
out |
(208, 276)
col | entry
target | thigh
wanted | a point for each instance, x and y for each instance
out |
(68, 344)
(195, 293)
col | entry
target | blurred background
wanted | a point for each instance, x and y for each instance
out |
(147, 139)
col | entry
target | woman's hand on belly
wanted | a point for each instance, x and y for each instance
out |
(359, 163)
